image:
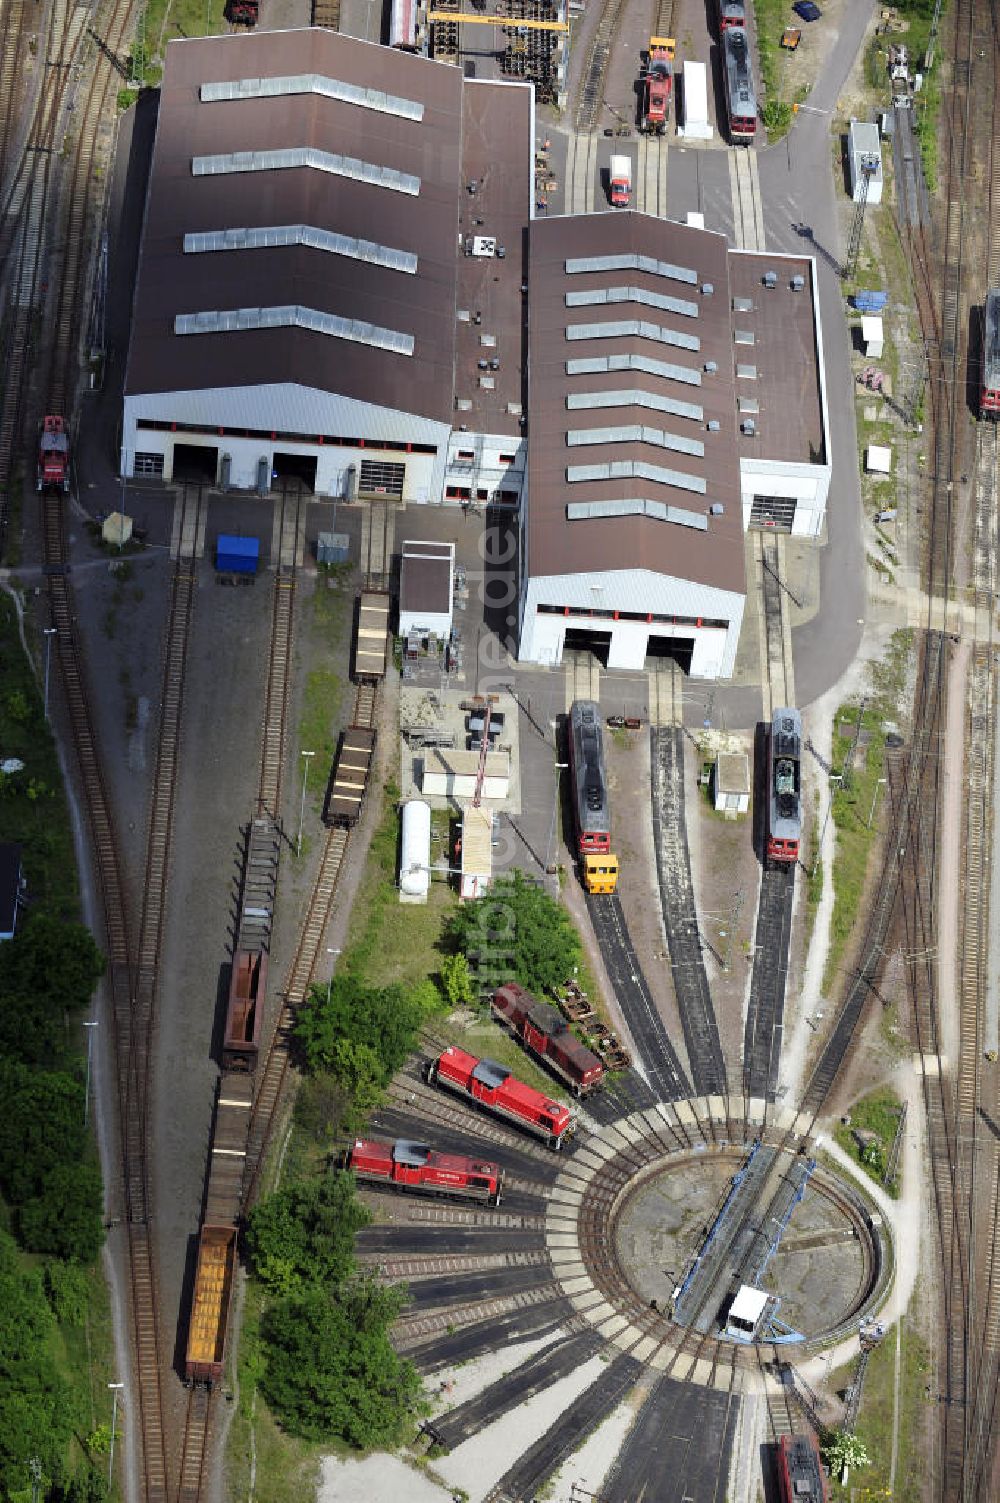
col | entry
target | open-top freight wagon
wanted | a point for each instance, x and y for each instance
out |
(418, 1167)
(245, 1012)
(216, 1268)
(548, 1035)
(372, 642)
(351, 772)
(496, 1089)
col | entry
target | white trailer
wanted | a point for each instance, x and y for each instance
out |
(695, 103)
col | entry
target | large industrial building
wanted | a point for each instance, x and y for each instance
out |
(337, 257)
(330, 273)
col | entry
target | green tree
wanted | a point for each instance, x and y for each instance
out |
(36, 1414)
(305, 1234)
(41, 1125)
(331, 1372)
(67, 1292)
(66, 1216)
(321, 1106)
(48, 972)
(384, 1019)
(845, 1449)
(456, 978)
(517, 932)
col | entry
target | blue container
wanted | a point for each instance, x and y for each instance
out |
(236, 555)
(870, 302)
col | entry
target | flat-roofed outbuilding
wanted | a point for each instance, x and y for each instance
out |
(633, 536)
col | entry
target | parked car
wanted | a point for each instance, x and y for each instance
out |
(807, 10)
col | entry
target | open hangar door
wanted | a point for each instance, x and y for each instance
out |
(300, 467)
(583, 639)
(196, 462)
(679, 650)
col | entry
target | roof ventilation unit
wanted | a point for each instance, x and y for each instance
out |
(712, 425)
(716, 509)
(707, 288)
(749, 427)
(798, 283)
(463, 315)
(464, 404)
(770, 280)
(711, 366)
(742, 305)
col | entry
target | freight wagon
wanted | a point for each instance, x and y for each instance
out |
(213, 1280)
(371, 643)
(547, 1034)
(784, 772)
(496, 1089)
(418, 1167)
(245, 1012)
(349, 783)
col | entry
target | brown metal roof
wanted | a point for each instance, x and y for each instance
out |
(787, 385)
(425, 577)
(497, 158)
(557, 545)
(172, 282)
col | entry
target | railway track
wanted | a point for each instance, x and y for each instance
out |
(673, 862)
(777, 676)
(765, 1012)
(583, 677)
(591, 98)
(273, 750)
(660, 1064)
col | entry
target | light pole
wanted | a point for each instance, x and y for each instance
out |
(871, 811)
(560, 768)
(302, 807)
(329, 984)
(90, 1049)
(48, 632)
(116, 1389)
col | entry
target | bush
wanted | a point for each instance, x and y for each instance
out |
(330, 1370)
(305, 1234)
(321, 1106)
(67, 1292)
(36, 1418)
(517, 932)
(383, 1020)
(47, 971)
(66, 1216)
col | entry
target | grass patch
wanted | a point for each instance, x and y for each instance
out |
(875, 1420)
(878, 1113)
(164, 20)
(85, 1353)
(33, 810)
(852, 808)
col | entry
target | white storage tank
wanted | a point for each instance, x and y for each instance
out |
(415, 854)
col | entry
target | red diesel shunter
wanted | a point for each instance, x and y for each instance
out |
(546, 1033)
(415, 1166)
(800, 1472)
(52, 469)
(495, 1088)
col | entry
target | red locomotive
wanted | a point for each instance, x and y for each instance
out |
(494, 1087)
(546, 1033)
(52, 469)
(415, 1166)
(989, 393)
(800, 1472)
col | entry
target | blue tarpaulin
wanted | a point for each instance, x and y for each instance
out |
(870, 302)
(235, 555)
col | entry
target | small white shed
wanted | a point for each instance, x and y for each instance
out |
(872, 336)
(695, 102)
(746, 1312)
(732, 783)
(864, 145)
(426, 589)
(878, 460)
